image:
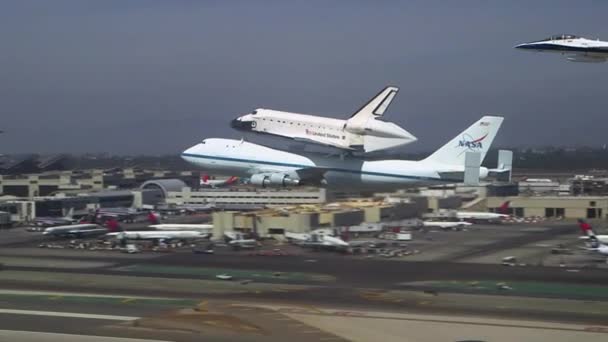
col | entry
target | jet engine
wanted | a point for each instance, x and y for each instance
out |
(273, 179)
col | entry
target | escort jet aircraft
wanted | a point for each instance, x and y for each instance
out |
(576, 49)
(268, 167)
(364, 131)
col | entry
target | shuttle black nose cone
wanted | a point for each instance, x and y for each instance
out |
(241, 125)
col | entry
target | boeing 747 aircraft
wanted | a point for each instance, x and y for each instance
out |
(576, 49)
(364, 131)
(270, 167)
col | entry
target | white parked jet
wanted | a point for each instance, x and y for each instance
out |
(445, 225)
(160, 235)
(207, 182)
(363, 131)
(589, 234)
(597, 247)
(75, 230)
(181, 227)
(319, 238)
(576, 49)
(480, 216)
(270, 167)
(484, 215)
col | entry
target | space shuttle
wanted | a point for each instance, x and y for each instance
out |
(364, 131)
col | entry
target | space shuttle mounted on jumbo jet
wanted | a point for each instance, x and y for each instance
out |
(458, 160)
(364, 131)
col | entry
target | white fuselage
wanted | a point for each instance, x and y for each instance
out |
(160, 235)
(445, 225)
(241, 158)
(368, 136)
(180, 227)
(578, 49)
(479, 215)
(70, 229)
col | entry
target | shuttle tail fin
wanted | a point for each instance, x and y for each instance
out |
(477, 138)
(377, 105)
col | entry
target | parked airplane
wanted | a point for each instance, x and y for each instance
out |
(55, 221)
(445, 225)
(364, 131)
(589, 234)
(576, 49)
(483, 215)
(269, 167)
(206, 181)
(479, 216)
(239, 240)
(160, 235)
(75, 230)
(179, 227)
(317, 238)
(594, 245)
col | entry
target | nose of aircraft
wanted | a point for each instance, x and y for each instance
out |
(522, 46)
(187, 153)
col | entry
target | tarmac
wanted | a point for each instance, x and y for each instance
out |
(454, 288)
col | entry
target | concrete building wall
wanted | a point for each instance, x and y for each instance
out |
(33, 185)
(267, 197)
(555, 206)
(222, 221)
(342, 218)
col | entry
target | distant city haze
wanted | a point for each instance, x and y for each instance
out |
(155, 77)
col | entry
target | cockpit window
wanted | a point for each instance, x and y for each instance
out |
(561, 37)
(254, 112)
(204, 141)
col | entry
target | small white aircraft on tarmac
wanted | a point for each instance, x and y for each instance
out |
(270, 167)
(576, 49)
(445, 225)
(594, 245)
(75, 230)
(484, 215)
(181, 227)
(318, 237)
(364, 131)
(589, 234)
(207, 182)
(160, 235)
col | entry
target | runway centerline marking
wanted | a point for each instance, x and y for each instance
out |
(67, 314)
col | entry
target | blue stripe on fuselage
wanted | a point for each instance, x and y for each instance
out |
(565, 48)
(326, 168)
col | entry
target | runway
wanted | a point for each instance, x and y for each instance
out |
(108, 293)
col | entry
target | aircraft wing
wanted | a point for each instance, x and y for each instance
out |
(305, 176)
(456, 176)
(311, 175)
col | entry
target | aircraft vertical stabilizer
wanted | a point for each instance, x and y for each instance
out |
(477, 138)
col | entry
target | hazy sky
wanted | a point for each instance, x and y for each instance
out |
(155, 76)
